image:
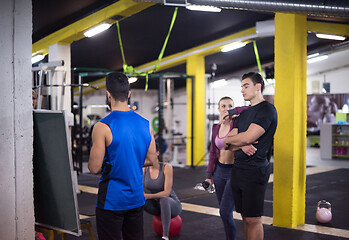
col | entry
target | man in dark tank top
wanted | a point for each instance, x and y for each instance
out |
(250, 174)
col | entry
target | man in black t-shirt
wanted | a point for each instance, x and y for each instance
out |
(250, 174)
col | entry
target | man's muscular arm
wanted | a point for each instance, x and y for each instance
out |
(98, 148)
(151, 154)
(248, 149)
(234, 142)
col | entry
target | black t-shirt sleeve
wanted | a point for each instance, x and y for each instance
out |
(264, 116)
(235, 120)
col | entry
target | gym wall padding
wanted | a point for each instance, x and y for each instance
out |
(55, 200)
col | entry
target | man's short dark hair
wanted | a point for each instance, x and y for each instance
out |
(118, 86)
(255, 77)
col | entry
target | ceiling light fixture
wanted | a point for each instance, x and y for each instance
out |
(233, 46)
(331, 37)
(37, 58)
(132, 79)
(317, 59)
(219, 83)
(203, 8)
(97, 29)
(313, 55)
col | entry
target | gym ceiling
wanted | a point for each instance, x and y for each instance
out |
(144, 31)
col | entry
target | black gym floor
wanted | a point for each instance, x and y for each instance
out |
(330, 185)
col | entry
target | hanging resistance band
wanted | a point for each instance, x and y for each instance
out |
(258, 61)
(257, 57)
(129, 69)
(124, 65)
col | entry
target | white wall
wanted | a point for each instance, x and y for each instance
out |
(180, 111)
(16, 132)
(147, 100)
(334, 70)
(232, 89)
(94, 98)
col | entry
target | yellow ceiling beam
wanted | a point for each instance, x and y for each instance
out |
(203, 50)
(74, 31)
(328, 28)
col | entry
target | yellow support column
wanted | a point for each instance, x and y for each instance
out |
(291, 104)
(196, 68)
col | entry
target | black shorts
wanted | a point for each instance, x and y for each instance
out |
(249, 186)
(117, 225)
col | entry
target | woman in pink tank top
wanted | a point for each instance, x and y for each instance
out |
(220, 165)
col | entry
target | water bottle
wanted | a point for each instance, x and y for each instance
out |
(205, 186)
(199, 187)
(211, 189)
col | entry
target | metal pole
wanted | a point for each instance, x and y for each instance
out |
(55, 79)
(50, 82)
(161, 127)
(80, 122)
(73, 135)
(192, 122)
(63, 91)
(169, 116)
(39, 91)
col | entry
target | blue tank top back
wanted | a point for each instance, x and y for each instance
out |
(121, 184)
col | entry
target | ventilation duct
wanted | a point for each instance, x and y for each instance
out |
(329, 8)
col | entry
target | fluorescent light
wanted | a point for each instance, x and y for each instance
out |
(317, 59)
(37, 58)
(97, 106)
(233, 46)
(313, 55)
(328, 36)
(132, 79)
(219, 83)
(203, 8)
(97, 29)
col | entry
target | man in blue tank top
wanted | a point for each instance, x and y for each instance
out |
(122, 144)
(250, 174)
